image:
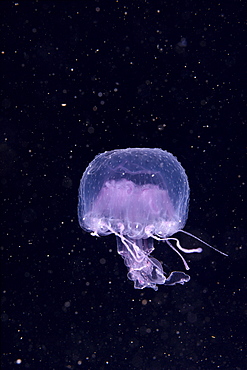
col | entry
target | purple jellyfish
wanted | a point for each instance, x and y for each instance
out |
(138, 194)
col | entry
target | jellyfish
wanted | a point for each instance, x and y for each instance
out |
(140, 195)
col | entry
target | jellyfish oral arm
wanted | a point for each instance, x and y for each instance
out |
(145, 270)
(134, 252)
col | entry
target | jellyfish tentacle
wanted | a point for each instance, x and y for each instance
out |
(180, 255)
(202, 241)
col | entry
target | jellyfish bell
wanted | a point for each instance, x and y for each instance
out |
(140, 195)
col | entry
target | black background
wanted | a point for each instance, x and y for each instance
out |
(82, 77)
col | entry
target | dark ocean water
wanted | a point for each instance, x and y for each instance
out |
(82, 77)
